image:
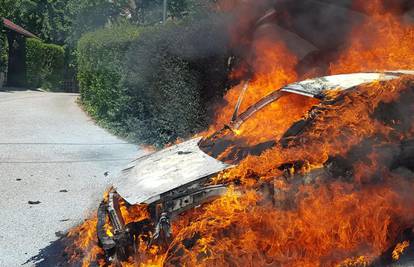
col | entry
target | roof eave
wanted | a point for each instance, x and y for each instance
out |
(14, 27)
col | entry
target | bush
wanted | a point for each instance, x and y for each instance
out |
(166, 72)
(3, 52)
(45, 64)
(150, 83)
(100, 57)
(168, 92)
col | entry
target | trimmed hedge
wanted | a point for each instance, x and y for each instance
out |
(150, 83)
(166, 89)
(45, 64)
(100, 57)
(3, 52)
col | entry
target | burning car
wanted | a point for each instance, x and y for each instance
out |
(165, 184)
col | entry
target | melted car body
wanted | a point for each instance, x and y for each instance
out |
(171, 181)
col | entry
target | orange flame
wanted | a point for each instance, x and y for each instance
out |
(274, 68)
(318, 222)
(331, 223)
(383, 42)
(399, 250)
(85, 247)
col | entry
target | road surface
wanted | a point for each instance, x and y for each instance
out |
(52, 154)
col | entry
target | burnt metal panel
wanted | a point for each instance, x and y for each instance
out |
(315, 87)
(150, 176)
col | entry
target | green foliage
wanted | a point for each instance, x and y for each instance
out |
(45, 63)
(150, 12)
(100, 58)
(88, 15)
(165, 88)
(3, 52)
(44, 18)
(152, 84)
(62, 21)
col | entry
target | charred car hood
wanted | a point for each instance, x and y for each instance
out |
(146, 178)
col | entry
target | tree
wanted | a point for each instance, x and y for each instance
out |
(149, 12)
(88, 15)
(59, 21)
(44, 18)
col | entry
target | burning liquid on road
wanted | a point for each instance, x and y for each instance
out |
(338, 201)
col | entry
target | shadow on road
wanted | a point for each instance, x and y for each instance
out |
(52, 255)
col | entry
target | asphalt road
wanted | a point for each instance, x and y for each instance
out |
(52, 153)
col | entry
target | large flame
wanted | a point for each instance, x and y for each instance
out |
(383, 42)
(330, 223)
(317, 219)
(274, 67)
(84, 247)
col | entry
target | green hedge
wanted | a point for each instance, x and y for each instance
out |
(3, 52)
(45, 64)
(161, 77)
(100, 57)
(150, 83)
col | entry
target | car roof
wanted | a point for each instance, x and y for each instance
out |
(148, 177)
(317, 86)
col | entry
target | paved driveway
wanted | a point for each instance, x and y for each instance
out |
(52, 153)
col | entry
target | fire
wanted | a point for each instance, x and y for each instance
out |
(383, 42)
(360, 261)
(133, 213)
(332, 133)
(330, 223)
(84, 247)
(256, 130)
(399, 250)
(315, 217)
(274, 68)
